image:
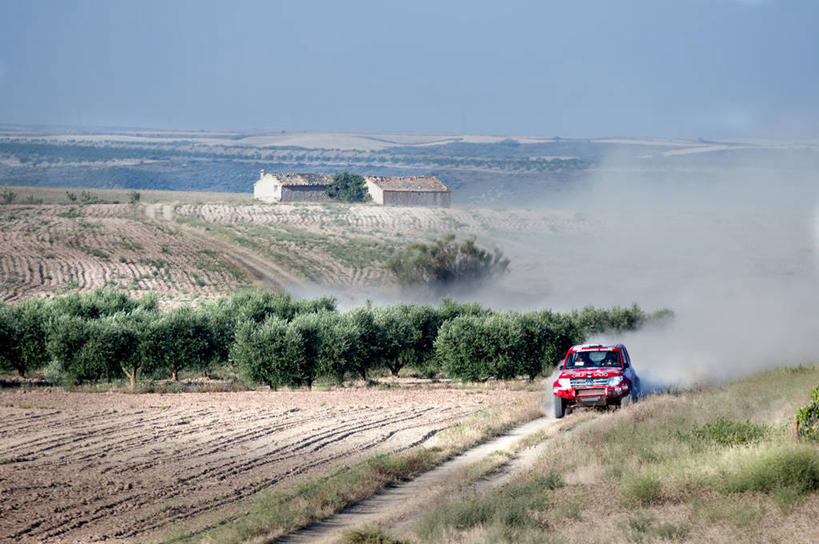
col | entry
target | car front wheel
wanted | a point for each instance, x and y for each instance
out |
(560, 407)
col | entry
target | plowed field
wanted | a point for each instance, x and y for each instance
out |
(85, 467)
(46, 249)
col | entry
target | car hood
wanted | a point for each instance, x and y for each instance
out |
(591, 373)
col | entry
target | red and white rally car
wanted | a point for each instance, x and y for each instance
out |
(595, 375)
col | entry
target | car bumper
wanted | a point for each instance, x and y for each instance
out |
(592, 396)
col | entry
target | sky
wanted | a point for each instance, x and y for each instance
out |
(586, 68)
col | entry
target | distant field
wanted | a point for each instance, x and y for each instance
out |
(184, 245)
(59, 195)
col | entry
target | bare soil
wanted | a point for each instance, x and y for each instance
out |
(48, 249)
(86, 467)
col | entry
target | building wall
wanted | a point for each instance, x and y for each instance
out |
(306, 193)
(376, 192)
(415, 198)
(267, 189)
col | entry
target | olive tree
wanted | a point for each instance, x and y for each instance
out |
(364, 352)
(261, 352)
(113, 344)
(23, 331)
(396, 337)
(180, 338)
(476, 348)
(304, 339)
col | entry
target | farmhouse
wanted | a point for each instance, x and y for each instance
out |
(291, 187)
(408, 191)
(395, 191)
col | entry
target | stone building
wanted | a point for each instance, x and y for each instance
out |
(408, 191)
(387, 191)
(291, 187)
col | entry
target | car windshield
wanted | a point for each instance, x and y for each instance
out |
(586, 359)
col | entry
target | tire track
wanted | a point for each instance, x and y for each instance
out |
(414, 493)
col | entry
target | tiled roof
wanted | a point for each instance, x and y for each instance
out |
(304, 179)
(408, 183)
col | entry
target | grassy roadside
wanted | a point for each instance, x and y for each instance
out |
(711, 465)
(285, 510)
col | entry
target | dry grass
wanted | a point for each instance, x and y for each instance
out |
(713, 465)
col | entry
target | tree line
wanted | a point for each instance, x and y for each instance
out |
(273, 339)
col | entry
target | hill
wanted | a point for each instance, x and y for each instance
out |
(207, 244)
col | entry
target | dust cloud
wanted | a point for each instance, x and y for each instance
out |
(729, 242)
(730, 246)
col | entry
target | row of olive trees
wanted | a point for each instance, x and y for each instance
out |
(462, 341)
(336, 345)
(106, 335)
(273, 339)
(503, 346)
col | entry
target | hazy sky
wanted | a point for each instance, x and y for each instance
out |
(708, 68)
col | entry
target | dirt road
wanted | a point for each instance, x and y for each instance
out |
(398, 506)
(266, 273)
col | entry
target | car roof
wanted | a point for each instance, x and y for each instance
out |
(595, 347)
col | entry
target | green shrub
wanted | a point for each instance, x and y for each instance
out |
(730, 433)
(643, 488)
(788, 468)
(508, 510)
(99, 303)
(23, 330)
(347, 187)
(116, 340)
(368, 535)
(80, 346)
(446, 265)
(466, 341)
(304, 340)
(618, 319)
(397, 337)
(808, 417)
(364, 349)
(258, 305)
(8, 196)
(178, 339)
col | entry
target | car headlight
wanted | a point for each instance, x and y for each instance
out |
(565, 383)
(614, 381)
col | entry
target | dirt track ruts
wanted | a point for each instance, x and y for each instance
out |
(267, 273)
(413, 495)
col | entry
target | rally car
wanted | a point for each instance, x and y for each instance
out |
(595, 375)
